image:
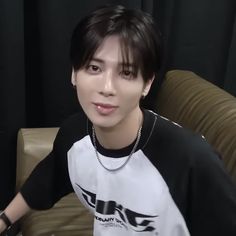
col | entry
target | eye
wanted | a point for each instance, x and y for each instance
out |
(127, 74)
(93, 69)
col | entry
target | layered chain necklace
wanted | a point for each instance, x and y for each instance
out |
(130, 155)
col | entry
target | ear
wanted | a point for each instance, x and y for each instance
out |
(147, 86)
(73, 77)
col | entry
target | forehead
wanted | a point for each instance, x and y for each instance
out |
(112, 49)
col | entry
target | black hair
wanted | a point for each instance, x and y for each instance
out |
(139, 37)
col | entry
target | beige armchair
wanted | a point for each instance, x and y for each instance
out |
(184, 98)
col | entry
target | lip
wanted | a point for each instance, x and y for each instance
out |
(105, 108)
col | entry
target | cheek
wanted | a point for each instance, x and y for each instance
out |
(82, 92)
(131, 92)
(87, 84)
(83, 84)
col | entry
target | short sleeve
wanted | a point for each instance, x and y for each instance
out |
(212, 195)
(49, 181)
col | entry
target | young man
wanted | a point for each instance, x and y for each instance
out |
(124, 162)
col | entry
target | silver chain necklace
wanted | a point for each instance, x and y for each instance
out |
(130, 155)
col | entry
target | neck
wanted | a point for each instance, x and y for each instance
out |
(121, 135)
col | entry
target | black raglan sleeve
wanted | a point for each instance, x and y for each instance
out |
(49, 181)
(197, 179)
(212, 195)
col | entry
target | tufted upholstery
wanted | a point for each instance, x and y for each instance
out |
(184, 98)
(203, 107)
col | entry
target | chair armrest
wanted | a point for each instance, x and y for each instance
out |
(32, 146)
(68, 216)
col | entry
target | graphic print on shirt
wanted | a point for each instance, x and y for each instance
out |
(132, 201)
(108, 209)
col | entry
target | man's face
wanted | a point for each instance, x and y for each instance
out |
(108, 92)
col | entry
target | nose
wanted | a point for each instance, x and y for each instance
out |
(108, 88)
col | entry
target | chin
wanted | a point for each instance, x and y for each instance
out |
(104, 125)
(104, 122)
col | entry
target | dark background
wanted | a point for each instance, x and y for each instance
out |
(35, 89)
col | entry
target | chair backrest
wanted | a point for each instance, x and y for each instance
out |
(195, 103)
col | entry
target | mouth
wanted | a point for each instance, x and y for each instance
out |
(105, 109)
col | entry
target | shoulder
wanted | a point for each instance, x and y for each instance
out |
(75, 121)
(71, 130)
(178, 144)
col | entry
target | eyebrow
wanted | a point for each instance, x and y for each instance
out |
(119, 63)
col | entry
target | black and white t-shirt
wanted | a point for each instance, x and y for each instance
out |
(173, 185)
